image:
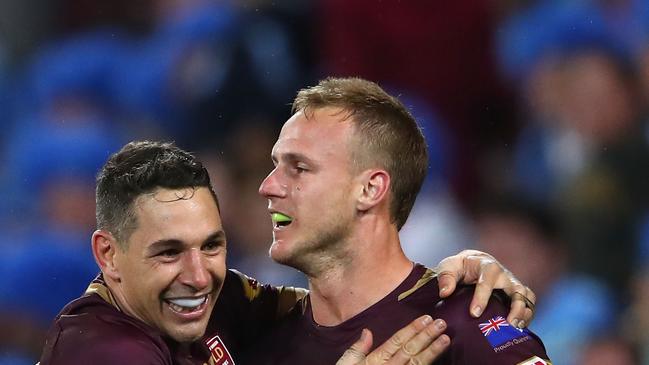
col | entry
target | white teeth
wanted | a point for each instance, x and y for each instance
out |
(187, 302)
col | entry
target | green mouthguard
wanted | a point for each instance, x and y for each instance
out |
(279, 217)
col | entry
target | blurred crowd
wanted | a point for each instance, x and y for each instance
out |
(536, 115)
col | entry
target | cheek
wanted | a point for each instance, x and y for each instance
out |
(217, 266)
(154, 279)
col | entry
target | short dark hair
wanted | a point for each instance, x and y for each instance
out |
(138, 168)
(386, 132)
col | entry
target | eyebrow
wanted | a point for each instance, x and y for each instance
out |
(293, 157)
(166, 243)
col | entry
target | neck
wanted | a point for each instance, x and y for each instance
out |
(376, 266)
(116, 297)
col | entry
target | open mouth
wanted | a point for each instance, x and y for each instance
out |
(280, 219)
(187, 305)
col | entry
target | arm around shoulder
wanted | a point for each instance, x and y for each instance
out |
(489, 339)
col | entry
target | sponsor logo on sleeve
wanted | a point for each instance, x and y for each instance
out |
(501, 335)
(534, 361)
(220, 353)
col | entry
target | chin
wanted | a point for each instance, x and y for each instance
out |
(277, 255)
(186, 335)
(292, 258)
(280, 254)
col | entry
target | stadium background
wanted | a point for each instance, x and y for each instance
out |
(534, 111)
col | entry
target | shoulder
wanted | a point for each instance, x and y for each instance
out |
(455, 310)
(241, 285)
(456, 306)
(420, 285)
(243, 288)
(488, 339)
(100, 334)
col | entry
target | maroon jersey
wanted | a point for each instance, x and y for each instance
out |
(92, 329)
(485, 340)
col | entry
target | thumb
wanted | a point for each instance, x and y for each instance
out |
(356, 353)
(447, 281)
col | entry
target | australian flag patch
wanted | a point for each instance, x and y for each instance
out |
(498, 332)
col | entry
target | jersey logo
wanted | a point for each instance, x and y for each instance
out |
(534, 361)
(493, 324)
(220, 353)
(501, 334)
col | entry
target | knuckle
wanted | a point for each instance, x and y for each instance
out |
(431, 331)
(396, 340)
(384, 356)
(446, 272)
(355, 353)
(529, 314)
(410, 349)
(351, 355)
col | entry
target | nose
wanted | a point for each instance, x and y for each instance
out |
(272, 186)
(195, 271)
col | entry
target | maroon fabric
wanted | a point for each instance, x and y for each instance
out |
(90, 330)
(299, 340)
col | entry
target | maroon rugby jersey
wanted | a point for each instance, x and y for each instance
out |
(92, 329)
(485, 340)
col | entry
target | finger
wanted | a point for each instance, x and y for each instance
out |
(528, 316)
(530, 295)
(454, 269)
(432, 352)
(474, 266)
(494, 275)
(522, 308)
(490, 276)
(384, 352)
(356, 353)
(529, 312)
(530, 307)
(423, 345)
(512, 285)
(450, 271)
(516, 313)
(447, 281)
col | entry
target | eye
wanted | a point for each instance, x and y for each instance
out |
(169, 253)
(213, 246)
(300, 168)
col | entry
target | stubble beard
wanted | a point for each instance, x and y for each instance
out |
(320, 251)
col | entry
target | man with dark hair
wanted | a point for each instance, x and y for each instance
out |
(161, 249)
(348, 166)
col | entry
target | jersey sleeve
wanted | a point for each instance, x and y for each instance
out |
(489, 339)
(247, 309)
(279, 299)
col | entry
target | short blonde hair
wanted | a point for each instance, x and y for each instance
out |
(385, 131)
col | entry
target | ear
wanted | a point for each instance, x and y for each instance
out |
(104, 248)
(375, 188)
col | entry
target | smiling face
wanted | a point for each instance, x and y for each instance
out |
(173, 264)
(313, 184)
